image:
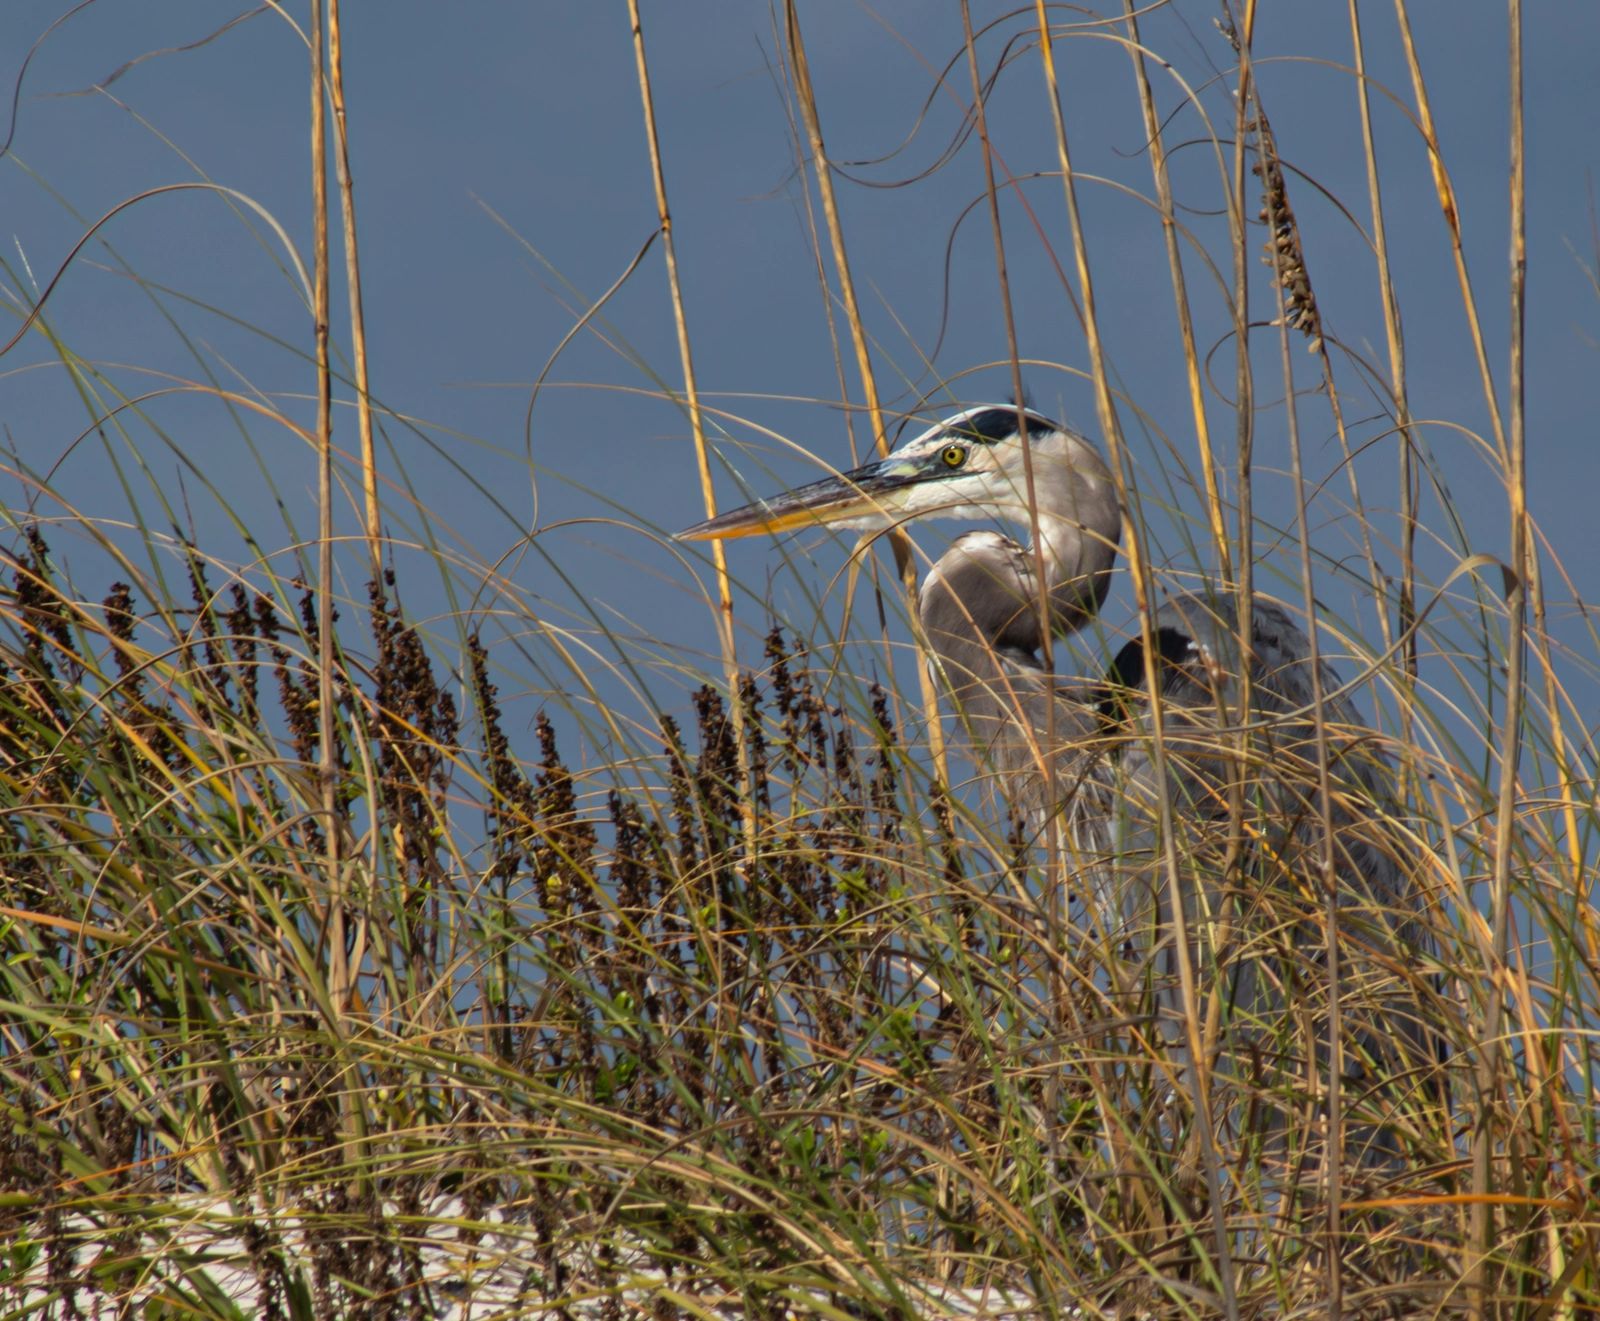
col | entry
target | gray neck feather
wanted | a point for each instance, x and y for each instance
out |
(979, 608)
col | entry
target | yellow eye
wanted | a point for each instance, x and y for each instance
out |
(954, 455)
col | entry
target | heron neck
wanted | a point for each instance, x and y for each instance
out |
(1078, 562)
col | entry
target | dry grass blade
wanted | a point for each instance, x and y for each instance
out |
(352, 265)
(1510, 744)
(691, 396)
(822, 168)
(1216, 513)
(1295, 283)
(1139, 572)
(339, 975)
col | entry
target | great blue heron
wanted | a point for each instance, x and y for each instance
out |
(1244, 816)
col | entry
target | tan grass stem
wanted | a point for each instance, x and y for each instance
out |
(328, 765)
(1244, 383)
(1155, 145)
(1056, 843)
(1505, 829)
(1448, 206)
(899, 541)
(341, 975)
(691, 390)
(1328, 877)
(1143, 586)
(691, 393)
(1395, 342)
(352, 260)
(1244, 412)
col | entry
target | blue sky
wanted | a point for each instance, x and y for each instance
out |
(502, 184)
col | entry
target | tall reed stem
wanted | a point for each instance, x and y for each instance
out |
(352, 261)
(1513, 450)
(900, 543)
(327, 725)
(1139, 573)
(691, 395)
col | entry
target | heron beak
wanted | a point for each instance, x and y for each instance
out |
(866, 497)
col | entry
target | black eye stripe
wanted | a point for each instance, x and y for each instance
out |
(995, 424)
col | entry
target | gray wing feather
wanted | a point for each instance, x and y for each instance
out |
(1265, 897)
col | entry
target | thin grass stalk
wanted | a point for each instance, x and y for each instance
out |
(1452, 221)
(691, 394)
(1060, 845)
(1241, 35)
(327, 762)
(1139, 573)
(1568, 771)
(784, 73)
(1155, 145)
(1489, 1063)
(352, 261)
(899, 541)
(1334, 1155)
(1398, 393)
(1298, 303)
(358, 349)
(1047, 749)
(1375, 574)
(1568, 765)
(1550, 1093)
(823, 168)
(341, 974)
(1055, 850)
(992, 196)
(1396, 346)
(1215, 511)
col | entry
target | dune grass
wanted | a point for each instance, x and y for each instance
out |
(308, 946)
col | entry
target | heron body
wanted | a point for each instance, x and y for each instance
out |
(1248, 830)
(1083, 754)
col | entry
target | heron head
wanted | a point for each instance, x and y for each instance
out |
(971, 465)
